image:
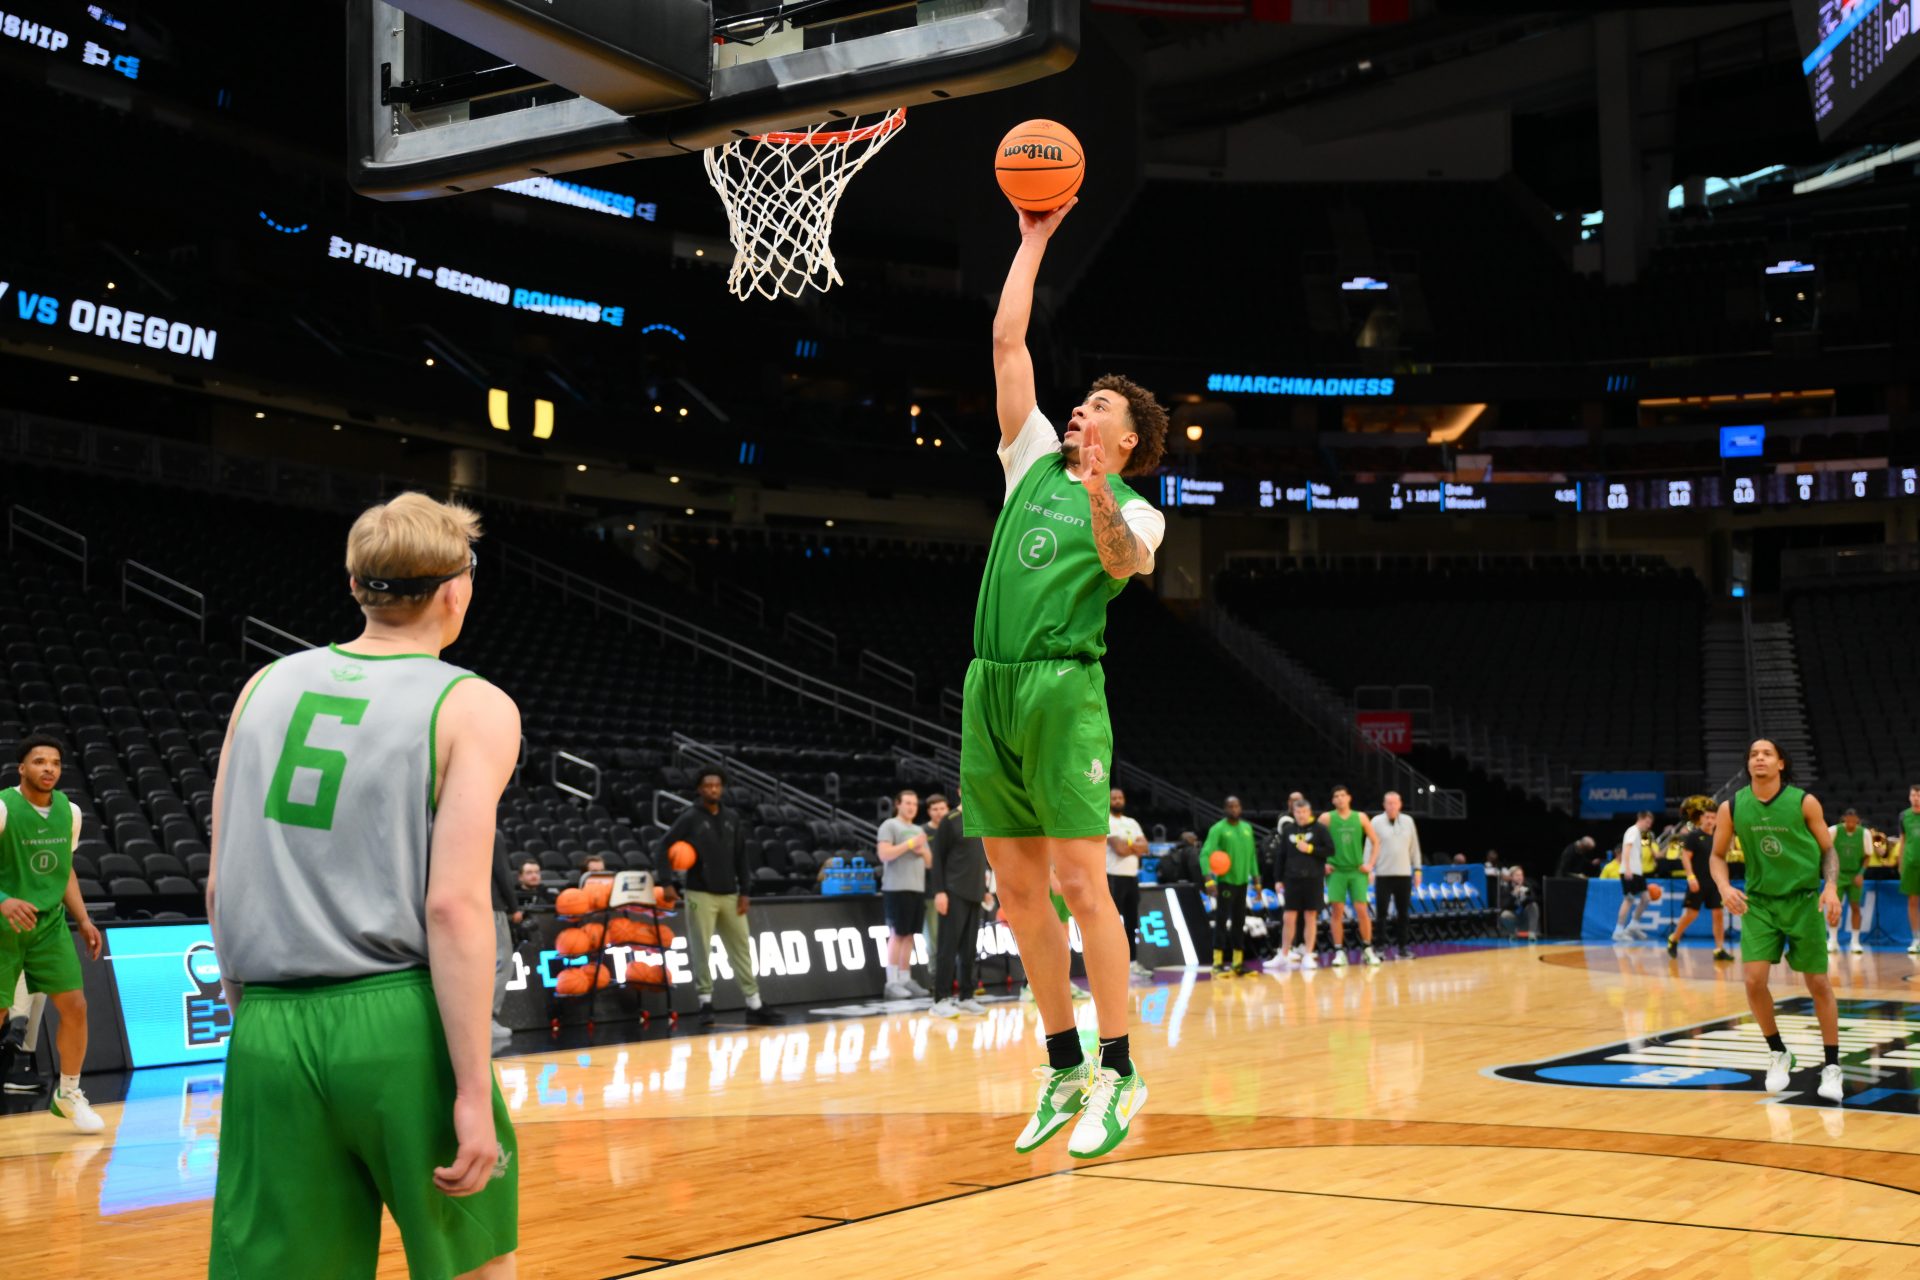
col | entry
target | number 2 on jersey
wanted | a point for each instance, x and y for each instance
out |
(296, 753)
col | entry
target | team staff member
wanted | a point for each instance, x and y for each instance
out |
(1306, 849)
(1125, 843)
(39, 828)
(1396, 865)
(958, 882)
(1696, 846)
(716, 887)
(1234, 837)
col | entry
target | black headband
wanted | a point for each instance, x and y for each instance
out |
(420, 586)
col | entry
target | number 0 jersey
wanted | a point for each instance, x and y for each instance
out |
(326, 817)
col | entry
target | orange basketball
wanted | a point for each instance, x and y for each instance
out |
(572, 942)
(623, 931)
(646, 975)
(1653, 892)
(596, 934)
(576, 981)
(599, 893)
(638, 933)
(601, 976)
(1040, 165)
(573, 902)
(680, 855)
(1221, 862)
(664, 896)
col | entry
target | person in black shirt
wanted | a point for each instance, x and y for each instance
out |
(716, 886)
(958, 882)
(1579, 859)
(1303, 861)
(1696, 843)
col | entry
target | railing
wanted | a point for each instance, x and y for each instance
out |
(252, 631)
(1414, 699)
(196, 612)
(680, 805)
(801, 631)
(670, 629)
(593, 772)
(733, 596)
(23, 522)
(900, 677)
(1815, 564)
(1439, 559)
(1331, 718)
(1756, 727)
(941, 766)
(691, 750)
(952, 702)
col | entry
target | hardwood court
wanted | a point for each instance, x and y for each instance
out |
(1343, 1119)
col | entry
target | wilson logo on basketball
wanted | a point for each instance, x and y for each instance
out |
(1035, 151)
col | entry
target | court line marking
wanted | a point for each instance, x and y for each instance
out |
(1487, 1208)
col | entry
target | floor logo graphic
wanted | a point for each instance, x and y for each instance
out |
(1879, 1053)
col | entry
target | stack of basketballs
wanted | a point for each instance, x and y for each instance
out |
(593, 925)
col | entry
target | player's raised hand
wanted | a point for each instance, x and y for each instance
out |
(1043, 225)
(479, 1151)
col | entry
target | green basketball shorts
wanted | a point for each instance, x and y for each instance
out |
(1036, 749)
(45, 953)
(1910, 872)
(1347, 885)
(1785, 924)
(1851, 892)
(338, 1099)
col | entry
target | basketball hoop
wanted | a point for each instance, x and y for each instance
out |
(780, 191)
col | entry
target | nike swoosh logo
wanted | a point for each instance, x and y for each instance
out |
(1058, 497)
(1128, 1105)
(1064, 671)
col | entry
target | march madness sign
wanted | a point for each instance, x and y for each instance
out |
(1879, 1055)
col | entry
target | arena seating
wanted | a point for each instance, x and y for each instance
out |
(1588, 662)
(1858, 680)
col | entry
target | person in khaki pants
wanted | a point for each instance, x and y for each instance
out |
(716, 886)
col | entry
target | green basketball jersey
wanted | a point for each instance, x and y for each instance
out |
(1852, 849)
(36, 853)
(1782, 855)
(1044, 592)
(1349, 841)
(1909, 834)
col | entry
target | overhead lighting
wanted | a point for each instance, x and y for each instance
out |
(919, 439)
(1195, 431)
(429, 362)
(579, 466)
(629, 528)
(699, 253)
(829, 524)
(689, 510)
(913, 411)
(673, 479)
(109, 284)
(659, 408)
(258, 414)
(73, 377)
(683, 411)
(336, 426)
(936, 442)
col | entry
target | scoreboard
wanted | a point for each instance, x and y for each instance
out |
(1852, 50)
(1417, 496)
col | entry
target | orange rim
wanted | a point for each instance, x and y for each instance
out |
(836, 137)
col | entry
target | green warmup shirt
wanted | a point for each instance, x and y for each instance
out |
(1236, 838)
(1349, 841)
(36, 851)
(1852, 850)
(1909, 835)
(1782, 856)
(1044, 592)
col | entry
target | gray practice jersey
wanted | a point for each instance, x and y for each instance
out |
(327, 816)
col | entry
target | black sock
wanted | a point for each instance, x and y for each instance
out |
(1833, 1055)
(1115, 1056)
(1775, 1043)
(1063, 1049)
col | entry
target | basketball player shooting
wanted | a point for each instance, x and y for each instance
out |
(1036, 745)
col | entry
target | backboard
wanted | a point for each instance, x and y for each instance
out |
(435, 114)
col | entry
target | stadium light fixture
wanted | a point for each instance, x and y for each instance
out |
(579, 466)
(73, 377)
(429, 362)
(258, 414)
(689, 510)
(109, 284)
(829, 524)
(683, 411)
(1195, 431)
(913, 411)
(673, 479)
(936, 442)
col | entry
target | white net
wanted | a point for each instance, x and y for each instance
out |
(781, 190)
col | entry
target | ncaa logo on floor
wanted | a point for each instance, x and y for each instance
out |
(1879, 1053)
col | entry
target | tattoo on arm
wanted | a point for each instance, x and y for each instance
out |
(1829, 865)
(1119, 548)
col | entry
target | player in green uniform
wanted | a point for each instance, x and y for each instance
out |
(1349, 875)
(1036, 748)
(1791, 869)
(38, 894)
(1232, 836)
(1850, 842)
(1910, 867)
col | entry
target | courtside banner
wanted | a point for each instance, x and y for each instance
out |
(1883, 914)
(1605, 794)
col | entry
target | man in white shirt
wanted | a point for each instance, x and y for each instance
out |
(1633, 879)
(1396, 867)
(1125, 843)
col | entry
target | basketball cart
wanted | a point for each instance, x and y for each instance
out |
(625, 944)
